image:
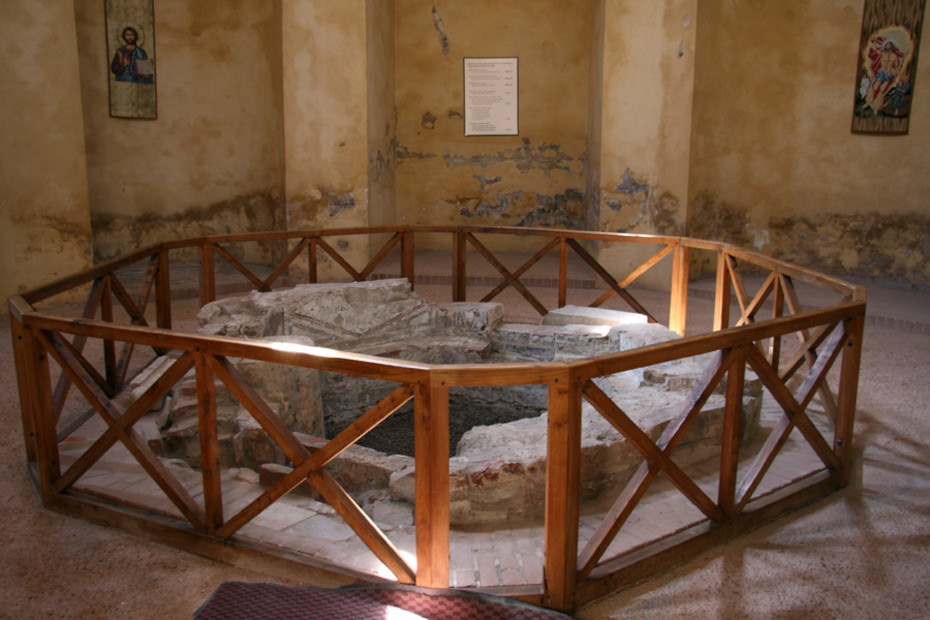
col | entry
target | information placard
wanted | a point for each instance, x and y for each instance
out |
(491, 97)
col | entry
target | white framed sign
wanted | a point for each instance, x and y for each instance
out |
(491, 102)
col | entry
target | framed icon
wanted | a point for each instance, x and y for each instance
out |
(887, 66)
(130, 31)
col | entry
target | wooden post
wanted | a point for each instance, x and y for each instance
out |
(207, 275)
(732, 426)
(163, 292)
(109, 346)
(678, 308)
(459, 276)
(778, 310)
(563, 272)
(43, 418)
(22, 381)
(431, 509)
(407, 264)
(563, 480)
(848, 388)
(209, 444)
(311, 261)
(722, 294)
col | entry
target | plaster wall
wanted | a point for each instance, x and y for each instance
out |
(44, 209)
(212, 162)
(595, 115)
(646, 105)
(774, 165)
(326, 114)
(382, 163)
(534, 179)
(726, 119)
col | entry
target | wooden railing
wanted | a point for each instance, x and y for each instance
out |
(793, 373)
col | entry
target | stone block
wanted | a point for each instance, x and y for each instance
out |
(253, 447)
(487, 457)
(402, 483)
(184, 427)
(626, 337)
(545, 342)
(294, 392)
(359, 468)
(270, 473)
(389, 515)
(581, 315)
(429, 348)
(469, 316)
(244, 475)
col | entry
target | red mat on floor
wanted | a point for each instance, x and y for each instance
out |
(263, 600)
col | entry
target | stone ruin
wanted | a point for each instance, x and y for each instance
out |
(498, 434)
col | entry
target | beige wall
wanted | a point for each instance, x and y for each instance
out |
(536, 178)
(326, 118)
(726, 119)
(44, 214)
(646, 107)
(774, 165)
(595, 115)
(212, 162)
(382, 116)
(647, 81)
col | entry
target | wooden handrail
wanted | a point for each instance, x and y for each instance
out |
(807, 275)
(306, 356)
(706, 343)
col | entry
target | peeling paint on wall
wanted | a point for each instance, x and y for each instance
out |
(565, 210)
(868, 245)
(496, 206)
(428, 121)
(405, 153)
(631, 187)
(340, 203)
(628, 218)
(115, 235)
(546, 157)
(55, 229)
(630, 207)
(381, 165)
(440, 32)
(559, 211)
(310, 210)
(711, 218)
(666, 215)
(871, 245)
(636, 207)
(484, 181)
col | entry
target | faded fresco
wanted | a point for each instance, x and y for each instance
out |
(130, 27)
(887, 66)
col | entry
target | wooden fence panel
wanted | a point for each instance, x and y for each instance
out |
(820, 345)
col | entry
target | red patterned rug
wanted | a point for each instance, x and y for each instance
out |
(255, 601)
